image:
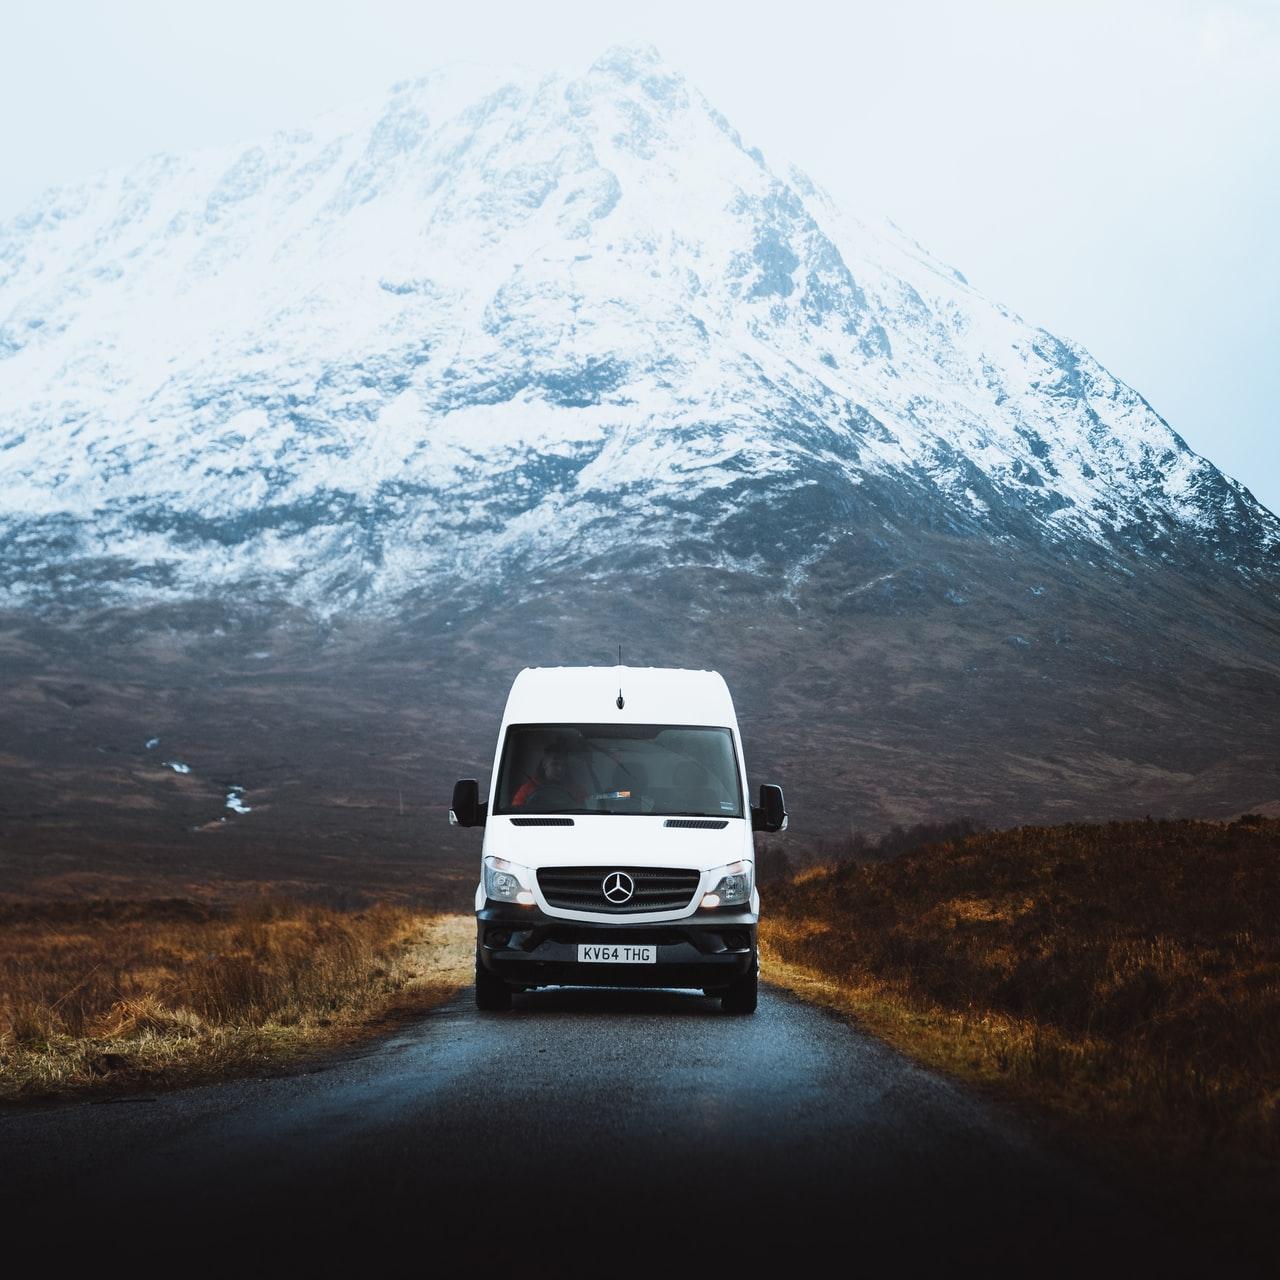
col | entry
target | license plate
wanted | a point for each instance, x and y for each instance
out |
(615, 953)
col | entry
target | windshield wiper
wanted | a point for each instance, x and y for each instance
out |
(693, 813)
(620, 813)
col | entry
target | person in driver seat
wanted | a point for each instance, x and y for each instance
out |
(552, 784)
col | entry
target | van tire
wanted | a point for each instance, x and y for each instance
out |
(492, 994)
(742, 993)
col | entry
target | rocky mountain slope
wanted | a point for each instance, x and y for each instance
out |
(523, 324)
(509, 368)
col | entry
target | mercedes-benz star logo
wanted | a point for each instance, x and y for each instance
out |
(618, 887)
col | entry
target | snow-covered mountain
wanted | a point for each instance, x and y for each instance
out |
(502, 326)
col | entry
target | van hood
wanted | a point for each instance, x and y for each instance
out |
(603, 840)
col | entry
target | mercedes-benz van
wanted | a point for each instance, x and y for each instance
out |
(618, 837)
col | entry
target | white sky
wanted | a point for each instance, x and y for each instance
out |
(1109, 170)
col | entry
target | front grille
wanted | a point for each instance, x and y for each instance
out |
(582, 888)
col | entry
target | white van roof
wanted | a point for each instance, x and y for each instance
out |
(589, 695)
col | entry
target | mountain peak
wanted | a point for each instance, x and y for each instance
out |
(629, 62)
(493, 321)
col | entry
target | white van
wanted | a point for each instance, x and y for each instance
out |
(617, 837)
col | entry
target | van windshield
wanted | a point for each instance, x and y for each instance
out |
(633, 768)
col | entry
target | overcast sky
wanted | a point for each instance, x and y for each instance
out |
(1111, 171)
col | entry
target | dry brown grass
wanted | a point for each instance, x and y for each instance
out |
(111, 994)
(1125, 975)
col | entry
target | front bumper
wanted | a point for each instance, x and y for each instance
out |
(528, 948)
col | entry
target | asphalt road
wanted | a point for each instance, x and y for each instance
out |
(587, 1133)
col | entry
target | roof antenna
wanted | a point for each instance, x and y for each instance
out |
(621, 703)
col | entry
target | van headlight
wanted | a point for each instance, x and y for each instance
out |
(508, 882)
(732, 885)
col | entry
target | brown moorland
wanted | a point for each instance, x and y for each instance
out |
(110, 995)
(1125, 976)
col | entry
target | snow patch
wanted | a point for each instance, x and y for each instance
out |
(235, 804)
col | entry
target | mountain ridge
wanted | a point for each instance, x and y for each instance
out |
(496, 352)
(308, 446)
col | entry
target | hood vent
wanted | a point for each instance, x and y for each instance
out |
(698, 824)
(542, 822)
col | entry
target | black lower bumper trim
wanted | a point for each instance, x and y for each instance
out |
(527, 948)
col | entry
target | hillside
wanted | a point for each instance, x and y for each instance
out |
(309, 444)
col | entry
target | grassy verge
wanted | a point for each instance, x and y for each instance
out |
(1125, 976)
(110, 995)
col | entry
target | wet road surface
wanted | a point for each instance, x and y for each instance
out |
(587, 1132)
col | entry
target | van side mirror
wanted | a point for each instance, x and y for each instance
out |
(466, 809)
(771, 814)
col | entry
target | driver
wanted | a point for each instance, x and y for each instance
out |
(552, 781)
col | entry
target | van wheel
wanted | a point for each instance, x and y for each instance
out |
(492, 994)
(741, 994)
